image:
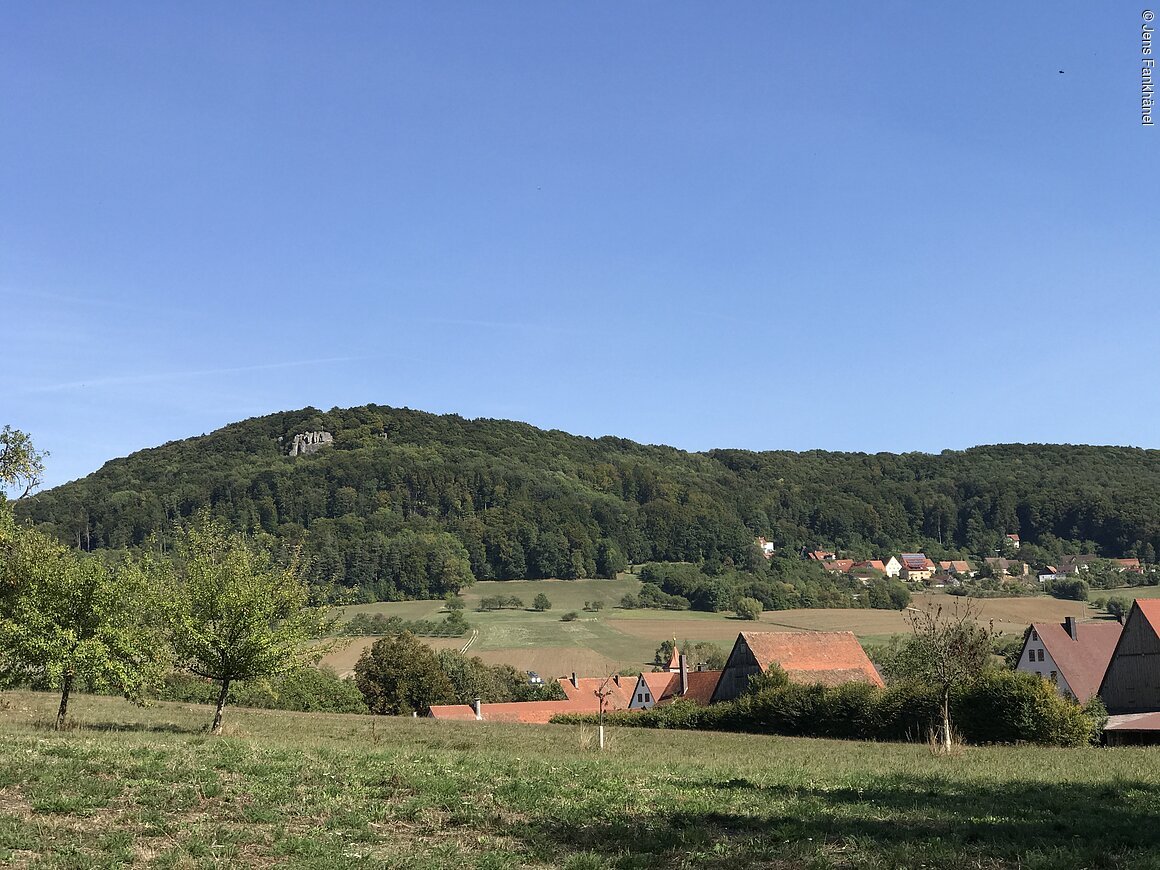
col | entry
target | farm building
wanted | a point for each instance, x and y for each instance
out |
(674, 684)
(583, 696)
(827, 657)
(1132, 681)
(1074, 655)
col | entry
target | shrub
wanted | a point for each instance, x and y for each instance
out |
(1073, 590)
(748, 608)
(1013, 706)
(570, 616)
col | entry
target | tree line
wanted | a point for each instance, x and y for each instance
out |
(405, 504)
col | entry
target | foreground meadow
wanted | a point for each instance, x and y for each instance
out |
(131, 787)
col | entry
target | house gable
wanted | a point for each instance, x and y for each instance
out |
(1132, 681)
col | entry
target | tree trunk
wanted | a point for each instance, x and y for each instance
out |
(65, 689)
(221, 706)
(946, 723)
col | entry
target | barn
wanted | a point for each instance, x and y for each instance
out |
(1132, 681)
(827, 657)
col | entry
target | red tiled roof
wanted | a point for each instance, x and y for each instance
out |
(1083, 661)
(702, 684)
(1150, 609)
(527, 712)
(956, 565)
(840, 566)
(588, 687)
(821, 555)
(876, 564)
(1130, 564)
(827, 657)
(1013, 537)
(915, 561)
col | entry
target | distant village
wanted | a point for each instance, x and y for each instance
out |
(918, 568)
(1116, 659)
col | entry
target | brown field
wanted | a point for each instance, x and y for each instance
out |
(615, 639)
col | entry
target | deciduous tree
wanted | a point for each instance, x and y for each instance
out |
(947, 649)
(21, 464)
(237, 615)
(401, 675)
(66, 617)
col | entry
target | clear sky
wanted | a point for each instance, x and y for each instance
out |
(888, 226)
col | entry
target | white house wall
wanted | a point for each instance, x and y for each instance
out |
(1029, 662)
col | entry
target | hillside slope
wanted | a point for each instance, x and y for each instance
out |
(402, 503)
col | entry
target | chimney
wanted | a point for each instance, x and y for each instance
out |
(575, 682)
(1069, 624)
(478, 707)
(616, 679)
(684, 675)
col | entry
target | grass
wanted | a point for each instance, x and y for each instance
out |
(615, 639)
(131, 787)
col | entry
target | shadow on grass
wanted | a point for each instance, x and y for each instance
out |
(892, 821)
(128, 727)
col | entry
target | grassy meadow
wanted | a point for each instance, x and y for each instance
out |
(614, 639)
(148, 788)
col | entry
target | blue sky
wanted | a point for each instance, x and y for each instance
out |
(767, 225)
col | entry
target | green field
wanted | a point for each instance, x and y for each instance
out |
(615, 639)
(147, 788)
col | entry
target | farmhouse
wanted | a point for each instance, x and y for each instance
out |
(1132, 681)
(916, 566)
(1074, 655)
(665, 687)
(827, 657)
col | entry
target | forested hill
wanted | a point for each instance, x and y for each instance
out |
(403, 503)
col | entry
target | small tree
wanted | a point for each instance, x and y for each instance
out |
(65, 617)
(235, 614)
(748, 608)
(399, 675)
(947, 649)
(541, 603)
(453, 603)
(21, 465)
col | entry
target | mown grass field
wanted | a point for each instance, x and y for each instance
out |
(615, 639)
(147, 788)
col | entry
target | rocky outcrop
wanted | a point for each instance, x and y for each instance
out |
(310, 442)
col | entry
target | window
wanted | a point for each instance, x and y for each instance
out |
(1054, 677)
(647, 696)
(1041, 655)
(1034, 634)
(639, 698)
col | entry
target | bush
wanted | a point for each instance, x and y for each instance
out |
(570, 616)
(999, 707)
(303, 690)
(1072, 590)
(1016, 707)
(748, 608)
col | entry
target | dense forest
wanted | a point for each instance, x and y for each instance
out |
(405, 504)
